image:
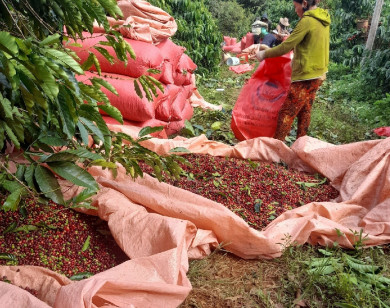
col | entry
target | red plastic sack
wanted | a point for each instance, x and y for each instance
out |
(131, 106)
(170, 51)
(236, 48)
(183, 73)
(175, 126)
(249, 40)
(382, 131)
(242, 68)
(172, 108)
(164, 107)
(256, 110)
(147, 56)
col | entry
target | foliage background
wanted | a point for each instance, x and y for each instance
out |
(197, 31)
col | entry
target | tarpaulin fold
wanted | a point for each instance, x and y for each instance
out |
(160, 226)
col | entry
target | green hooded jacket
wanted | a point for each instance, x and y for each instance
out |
(310, 42)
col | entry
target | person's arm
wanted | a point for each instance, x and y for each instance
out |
(293, 40)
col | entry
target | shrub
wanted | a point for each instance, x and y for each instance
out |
(197, 31)
(232, 19)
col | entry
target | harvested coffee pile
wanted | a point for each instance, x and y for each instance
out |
(257, 191)
(57, 238)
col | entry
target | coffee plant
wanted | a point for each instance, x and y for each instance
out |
(197, 31)
(225, 12)
(45, 113)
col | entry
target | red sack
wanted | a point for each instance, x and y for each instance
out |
(147, 56)
(131, 106)
(171, 52)
(255, 112)
(175, 126)
(249, 40)
(382, 131)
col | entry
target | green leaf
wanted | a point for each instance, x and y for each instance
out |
(104, 163)
(68, 123)
(86, 243)
(83, 132)
(2, 136)
(137, 89)
(59, 157)
(51, 39)
(111, 7)
(8, 43)
(10, 227)
(325, 252)
(98, 81)
(81, 276)
(92, 127)
(323, 270)
(179, 150)
(47, 81)
(11, 186)
(6, 106)
(65, 59)
(363, 268)
(188, 126)
(26, 228)
(74, 174)
(48, 184)
(148, 130)
(10, 134)
(8, 257)
(105, 54)
(216, 125)
(29, 176)
(20, 172)
(89, 62)
(52, 141)
(112, 111)
(13, 200)
(84, 153)
(84, 195)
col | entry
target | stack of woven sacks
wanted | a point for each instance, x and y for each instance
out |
(148, 30)
(231, 44)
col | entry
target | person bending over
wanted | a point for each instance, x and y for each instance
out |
(310, 42)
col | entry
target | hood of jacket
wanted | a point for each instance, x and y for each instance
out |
(320, 14)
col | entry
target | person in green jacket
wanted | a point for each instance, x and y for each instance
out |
(310, 42)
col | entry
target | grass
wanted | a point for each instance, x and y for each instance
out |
(223, 280)
(340, 114)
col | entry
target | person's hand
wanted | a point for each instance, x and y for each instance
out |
(260, 55)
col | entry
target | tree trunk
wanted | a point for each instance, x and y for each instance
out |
(374, 24)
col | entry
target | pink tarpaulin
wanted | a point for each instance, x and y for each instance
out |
(242, 68)
(160, 226)
(143, 22)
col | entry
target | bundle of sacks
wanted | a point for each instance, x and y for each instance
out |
(231, 44)
(149, 35)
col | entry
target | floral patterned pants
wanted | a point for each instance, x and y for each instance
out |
(298, 104)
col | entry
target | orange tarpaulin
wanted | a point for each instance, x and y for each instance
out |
(160, 226)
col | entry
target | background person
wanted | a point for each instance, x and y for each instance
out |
(264, 18)
(257, 27)
(310, 42)
(283, 26)
(270, 40)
